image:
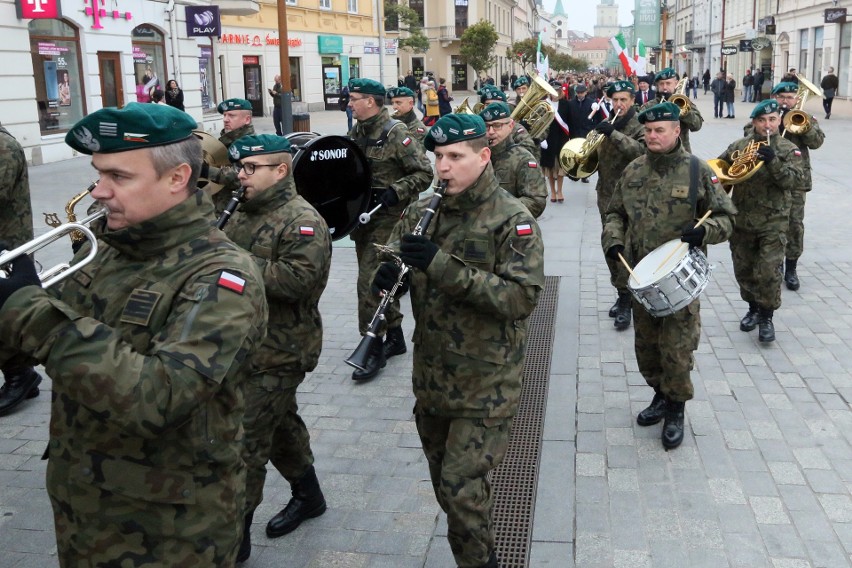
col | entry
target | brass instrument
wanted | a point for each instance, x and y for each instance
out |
(679, 97)
(579, 156)
(533, 112)
(52, 219)
(796, 120)
(464, 108)
(214, 154)
(745, 164)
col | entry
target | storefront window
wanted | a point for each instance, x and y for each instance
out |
(843, 63)
(354, 68)
(296, 78)
(205, 75)
(55, 49)
(149, 61)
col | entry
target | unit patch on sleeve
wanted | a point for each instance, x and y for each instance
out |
(306, 231)
(139, 307)
(523, 230)
(232, 282)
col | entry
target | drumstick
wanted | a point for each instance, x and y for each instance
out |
(627, 266)
(679, 247)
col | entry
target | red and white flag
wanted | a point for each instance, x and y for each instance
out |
(232, 282)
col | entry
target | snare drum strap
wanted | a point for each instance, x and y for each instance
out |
(365, 142)
(693, 184)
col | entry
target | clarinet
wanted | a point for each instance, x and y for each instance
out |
(237, 197)
(358, 359)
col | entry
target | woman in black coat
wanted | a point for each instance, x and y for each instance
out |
(556, 138)
(444, 98)
(174, 95)
(730, 87)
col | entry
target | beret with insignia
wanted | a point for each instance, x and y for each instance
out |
(233, 104)
(495, 111)
(491, 94)
(667, 73)
(400, 92)
(366, 87)
(520, 82)
(786, 87)
(136, 125)
(256, 145)
(619, 87)
(663, 111)
(452, 128)
(765, 107)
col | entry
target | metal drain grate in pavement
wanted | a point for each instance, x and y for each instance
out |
(514, 482)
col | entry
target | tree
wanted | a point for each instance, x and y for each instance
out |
(477, 46)
(565, 62)
(525, 51)
(399, 16)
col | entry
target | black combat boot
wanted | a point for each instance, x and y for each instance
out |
(307, 502)
(492, 561)
(394, 343)
(749, 321)
(766, 333)
(673, 426)
(655, 411)
(375, 362)
(20, 385)
(245, 545)
(613, 311)
(791, 279)
(624, 313)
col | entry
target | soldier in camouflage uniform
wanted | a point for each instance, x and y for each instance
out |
(402, 100)
(291, 244)
(763, 201)
(400, 171)
(520, 135)
(665, 83)
(476, 278)
(515, 168)
(20, 380)
(147, 346)
(624, 141)
(657, 200)
(236, 116)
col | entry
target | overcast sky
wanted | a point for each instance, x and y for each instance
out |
(582, 14)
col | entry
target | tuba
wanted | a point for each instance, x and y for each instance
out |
(745, 164)
(579, 156)
(464, 108)
(535, 113)
(679, 97)
(797, 121)
(214, 154)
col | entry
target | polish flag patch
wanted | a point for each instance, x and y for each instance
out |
(532, 165)
(714, 179)
(307, 231)
(523, 230)
(232, 282)
(407, 141)
(797, 153)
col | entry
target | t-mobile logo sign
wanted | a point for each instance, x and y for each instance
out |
(38, 9)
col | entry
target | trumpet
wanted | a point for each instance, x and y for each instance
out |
(679, 97)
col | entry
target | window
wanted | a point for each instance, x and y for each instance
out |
(803, 52)
(391, 21)
(205, 75)
(843, 63)
(417, 6)
(55, 50)
(816, 75)
(149, 61)
(352, 6)
(354, 67)
(291, 2)
(325, 4)
(461, 17)
(296, 78)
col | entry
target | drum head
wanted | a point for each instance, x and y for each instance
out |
(649, 271)
(334, 176)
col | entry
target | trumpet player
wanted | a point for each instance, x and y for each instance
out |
(475, 279)
(665, 84)
(402, 100)
(763, 201)
(515, 168)
(147, 346)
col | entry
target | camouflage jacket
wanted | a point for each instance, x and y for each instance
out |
(651, 205)
(764, 199)
(399, 163)
(625, 144)
(689, 122)
(147, 346)
(415, 126)
(521, 136)
(227, 176)
(472, 304)
(810, 140)
(16, 213)
(292, 246)
(518, 173)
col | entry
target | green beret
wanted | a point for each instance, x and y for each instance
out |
(257, 145)
(495, 111)
(400, 92)
(233, 104)
(452, 128)
(663, 111)
(667, 73)
(520, 82)
(491, 94)
(366, 87)
(786, 87)
(619, 87)
(765, 107)
(137, 125)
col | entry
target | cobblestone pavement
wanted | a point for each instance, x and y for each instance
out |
(763, 478)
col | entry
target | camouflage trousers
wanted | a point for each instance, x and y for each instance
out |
(664, 349)
(461, 452)
(796, 229)
(377, 231)
(274, 432)
(617, 273)
(758, 258)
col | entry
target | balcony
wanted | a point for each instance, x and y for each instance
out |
(238, 7)
(445, 34)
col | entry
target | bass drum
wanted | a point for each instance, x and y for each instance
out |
(333, 175)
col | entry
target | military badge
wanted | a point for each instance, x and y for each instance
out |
(232, 282)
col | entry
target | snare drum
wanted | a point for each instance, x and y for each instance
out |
(663, 290)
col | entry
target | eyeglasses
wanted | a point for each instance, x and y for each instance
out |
(356, 99)
(496, 125)
(249, 168)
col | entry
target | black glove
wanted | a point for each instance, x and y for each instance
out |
(417, 251)
(614, 251)
(389, 198)
(23, 274)
(205, 171)
(605, 128)
(766, 153)
(694, 236)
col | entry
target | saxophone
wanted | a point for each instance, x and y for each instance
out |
(52, 219)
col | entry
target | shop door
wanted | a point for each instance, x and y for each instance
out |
(254, 87)
(332, 83)
(460, 77)
(112, 92)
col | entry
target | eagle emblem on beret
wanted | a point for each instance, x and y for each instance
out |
(438, 134)
(86, 139)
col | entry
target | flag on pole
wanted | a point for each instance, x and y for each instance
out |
(541, 63)
(641, 60)
(621, 50)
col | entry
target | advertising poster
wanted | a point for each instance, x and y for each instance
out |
(51, 87)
